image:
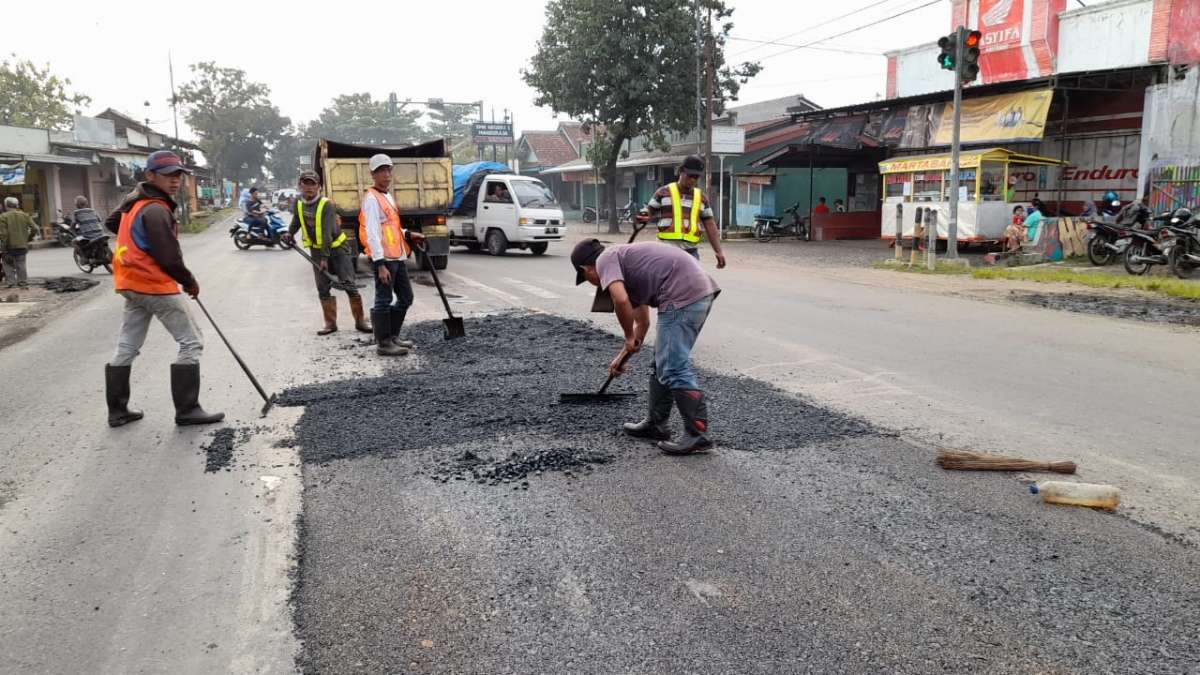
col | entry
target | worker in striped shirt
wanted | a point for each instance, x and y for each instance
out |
(681, 207)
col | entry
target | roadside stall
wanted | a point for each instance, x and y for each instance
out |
(985, 198)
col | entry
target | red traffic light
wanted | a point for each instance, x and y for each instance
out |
(973, 38)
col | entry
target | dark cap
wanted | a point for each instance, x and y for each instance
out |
(585, 253)
(692, 166)
(165, 162)
(309, 175)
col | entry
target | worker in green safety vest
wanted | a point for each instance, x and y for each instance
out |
(681, 208)
(316, 219)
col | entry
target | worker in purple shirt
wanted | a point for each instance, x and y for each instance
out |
(638, 277)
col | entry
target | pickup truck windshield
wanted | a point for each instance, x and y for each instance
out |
(533, 195)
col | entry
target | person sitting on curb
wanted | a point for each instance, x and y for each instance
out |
(1014, 234)
(640, 276)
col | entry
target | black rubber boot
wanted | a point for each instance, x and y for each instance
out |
(185, 392)
(695, 423)
(116, 392)
(654, 426)
(397, 317)
(381, 322)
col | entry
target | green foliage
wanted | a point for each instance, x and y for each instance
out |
(1096, 279)
(357, 118)
(628, 69)
(234, 119)
(286, 155)
(453, 122)
(33, 97)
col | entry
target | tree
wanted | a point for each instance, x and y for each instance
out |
(627, 68)
(453, 122)
(33, 97)
(286, 155)
(357, 118)
(234, 119)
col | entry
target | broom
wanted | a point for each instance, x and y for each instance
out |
(958, 460)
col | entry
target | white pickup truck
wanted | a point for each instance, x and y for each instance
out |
(510, 211)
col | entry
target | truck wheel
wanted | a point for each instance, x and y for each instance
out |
(440, 262)
(497, 243)
(538, 248)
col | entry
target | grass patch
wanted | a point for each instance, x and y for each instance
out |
(1179, 288)
(920, 268)
(202, 219)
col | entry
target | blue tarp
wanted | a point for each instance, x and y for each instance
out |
(462, 177)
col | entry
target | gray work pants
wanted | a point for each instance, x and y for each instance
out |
(340, 266)
(14, 266)
(172, 312)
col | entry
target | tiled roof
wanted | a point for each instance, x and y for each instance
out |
(574, 132)
(550, 148)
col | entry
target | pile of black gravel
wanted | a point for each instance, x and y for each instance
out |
(1177, 311)
(504, 378)
(517, 466)
(219, 451)
(69, 284)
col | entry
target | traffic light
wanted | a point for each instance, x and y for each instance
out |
(946, 58)
(969, 70)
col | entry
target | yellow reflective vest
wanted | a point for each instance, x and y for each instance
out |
(692, 234)
(319, 234)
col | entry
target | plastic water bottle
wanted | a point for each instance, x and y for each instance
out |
(1077, 494)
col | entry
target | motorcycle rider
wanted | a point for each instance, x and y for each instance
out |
(253, 213)
(87, 224)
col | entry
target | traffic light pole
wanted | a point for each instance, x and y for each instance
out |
(952, 225)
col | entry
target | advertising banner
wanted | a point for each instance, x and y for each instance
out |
(1020, 116)
(12, 174)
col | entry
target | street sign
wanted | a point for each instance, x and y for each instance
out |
(492, 133)
(728, 140)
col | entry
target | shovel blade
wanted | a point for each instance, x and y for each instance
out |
(454, 328)
(268, 405)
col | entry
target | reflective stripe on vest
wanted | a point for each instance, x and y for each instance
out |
(134, 269)
(319, 233)
(692, 236)
(392, 233)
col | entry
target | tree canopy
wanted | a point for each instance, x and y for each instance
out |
(628, 69)
(234, 119)
(358, 118)
(34, 97)
(453, 122)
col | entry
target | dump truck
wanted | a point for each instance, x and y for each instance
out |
(422, 186)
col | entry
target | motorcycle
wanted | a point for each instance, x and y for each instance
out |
(64, 232)
(1107, 241)
(244, 236)
(1181, 244)
(769, 228)
(1145, 250)
(92, 253)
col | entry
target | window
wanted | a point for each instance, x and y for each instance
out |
(497, 192)
(533, 194)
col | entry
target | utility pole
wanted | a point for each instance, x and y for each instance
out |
(699, 85)
(186, 203)
(952, 225)
(708, 112)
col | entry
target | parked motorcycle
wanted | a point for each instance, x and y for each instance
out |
(1145, 250)
(1181, 243)
(769, 228)
(92, 253)
(1107, 241)
(244, 236)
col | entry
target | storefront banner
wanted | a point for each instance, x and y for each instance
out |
(1008, 118)
(12, 174)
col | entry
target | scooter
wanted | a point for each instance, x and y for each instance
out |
(244, 237)
(92, 253)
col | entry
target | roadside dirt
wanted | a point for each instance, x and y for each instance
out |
(24, 311)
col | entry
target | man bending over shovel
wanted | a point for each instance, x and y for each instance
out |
(638, 277)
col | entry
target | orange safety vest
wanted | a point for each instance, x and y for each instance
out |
(394, 245)
(133, 268)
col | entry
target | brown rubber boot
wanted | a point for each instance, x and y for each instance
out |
(356, 308)
(329, 309)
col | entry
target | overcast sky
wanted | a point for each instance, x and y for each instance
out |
(460, 50)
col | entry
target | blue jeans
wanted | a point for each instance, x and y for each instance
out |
(677, 333)
(400, 287)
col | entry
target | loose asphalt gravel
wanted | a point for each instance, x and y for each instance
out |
(807, 542)
(1178, 311)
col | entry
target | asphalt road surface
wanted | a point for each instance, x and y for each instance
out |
(119, 553)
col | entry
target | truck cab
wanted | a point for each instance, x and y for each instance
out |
(508, 211)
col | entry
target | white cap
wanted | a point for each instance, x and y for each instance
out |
(12, 202)
(380, 160)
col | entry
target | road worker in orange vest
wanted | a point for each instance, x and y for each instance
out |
(316, 219)
(388, 245)
(681, 208)
(148, 270)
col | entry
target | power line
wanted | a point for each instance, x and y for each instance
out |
(852, 30)
(816, 26)
(841, 50)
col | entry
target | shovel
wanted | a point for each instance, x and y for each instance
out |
(603, 301)
(601, 396)
(333, 281)
(453, 324)
(270, 400)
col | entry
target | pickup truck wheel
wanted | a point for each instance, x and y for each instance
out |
(539, 248)
(497, 243)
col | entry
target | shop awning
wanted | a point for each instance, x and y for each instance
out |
(966, 160)
(58, 159)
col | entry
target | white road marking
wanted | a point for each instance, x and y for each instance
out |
(531, 289)
(484, 287)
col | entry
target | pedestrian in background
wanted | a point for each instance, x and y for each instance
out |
(315, 217)
(16, 229)
(148, 270)
(821, 209)
(388, 245)
(681, 207)
(638, 277)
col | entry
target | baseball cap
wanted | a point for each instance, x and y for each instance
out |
(692, 166)
(379, 160)
(309, 175)
(585, 253)
(165, 162)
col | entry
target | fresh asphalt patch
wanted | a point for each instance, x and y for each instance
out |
(809, 541)
(1177, 311)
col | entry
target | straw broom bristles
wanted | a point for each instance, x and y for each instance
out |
(958, 460)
